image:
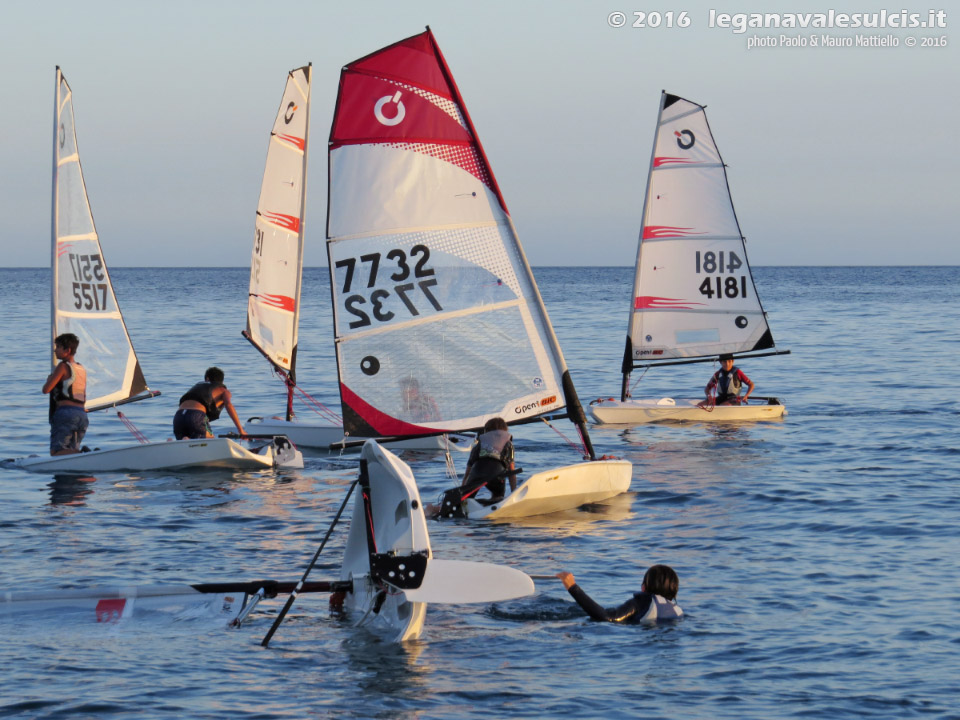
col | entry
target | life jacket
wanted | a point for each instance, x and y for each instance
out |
(203, 394)
(661, 609)
(492, 444)
(74, 386)
(728, 383)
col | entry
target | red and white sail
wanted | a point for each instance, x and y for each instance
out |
(273, 308)
(83, 299)
(694, 294)
(438, 321)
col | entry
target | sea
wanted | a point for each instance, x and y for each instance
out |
(818, 556)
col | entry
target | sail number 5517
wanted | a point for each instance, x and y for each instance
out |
(363, 306)
(721, 263)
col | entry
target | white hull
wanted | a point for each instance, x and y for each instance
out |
(173, 455)
(399, 526)
(323, 436)
(559, 489)
(632, 412)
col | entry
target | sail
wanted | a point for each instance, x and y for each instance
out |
(694, 294)
(438, 321)
(273, 308)
(83, 300)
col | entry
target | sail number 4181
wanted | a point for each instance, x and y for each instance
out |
(721, 263)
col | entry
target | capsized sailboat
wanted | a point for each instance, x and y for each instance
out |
(438, 322)
(84, 304)
(276, 270)
(388, 573)
(693, 293)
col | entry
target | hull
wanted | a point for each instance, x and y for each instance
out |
(632, 412)
(324, 435)
(173, 455)
(399, 526)
(559, 489)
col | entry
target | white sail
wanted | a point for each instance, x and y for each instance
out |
(694, 294)
(438, 321)
(83, 300)
(273, 308)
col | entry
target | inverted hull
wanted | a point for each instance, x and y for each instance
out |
(173, 455)
(399, 526)
(324, 435)
(559, 489)
(633, 412)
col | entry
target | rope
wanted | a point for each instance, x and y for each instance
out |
(132, 428)
(311, 402)
(582, 450)
(638, 380)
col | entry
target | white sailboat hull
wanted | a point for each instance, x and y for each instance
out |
(559, 489)
(634, 412)
(324, 435)
(173, 455)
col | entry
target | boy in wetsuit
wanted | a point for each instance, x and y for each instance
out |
(67, 387)
(657, 599)
(202, 403)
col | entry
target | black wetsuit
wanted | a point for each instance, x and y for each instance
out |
(632, 611)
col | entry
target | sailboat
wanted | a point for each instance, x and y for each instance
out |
(388, 572)
(432, 293)
(693, 293)
(276, 270)
(84, 304)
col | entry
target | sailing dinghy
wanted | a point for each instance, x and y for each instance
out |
(276, 272)
(432, 292)
(693, 293)
(84, 304)
(388, 573)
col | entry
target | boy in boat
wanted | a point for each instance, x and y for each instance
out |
(727, 383)
(67, 387)
(490, 459)
(657, 599)
(201, 404)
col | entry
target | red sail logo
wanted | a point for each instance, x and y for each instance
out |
(287, 222)
(650, 302)
(668, 231)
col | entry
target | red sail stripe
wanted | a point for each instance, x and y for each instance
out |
(650, 302)
(666, 231)
(288, 222)
(383, 424)
(658, 161)
(282, 302)
(299, 143)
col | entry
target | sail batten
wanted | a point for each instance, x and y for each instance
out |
(694, 295)
(273, 307)
(438, 323)
(84, 302)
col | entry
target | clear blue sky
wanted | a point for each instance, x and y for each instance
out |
(836, 156)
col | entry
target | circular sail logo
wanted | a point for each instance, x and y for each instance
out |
(291, 109)
(685, 139)
(398, 114)
(63, 136)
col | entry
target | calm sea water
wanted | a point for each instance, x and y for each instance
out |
(817, 556)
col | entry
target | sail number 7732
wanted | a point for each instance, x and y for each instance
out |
(370, 303)
(721, 263)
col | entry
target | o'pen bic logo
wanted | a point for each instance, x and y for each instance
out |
(378, 110)
(291, 109)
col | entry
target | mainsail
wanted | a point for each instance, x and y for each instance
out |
(437, 318)
(693, 293)
(273, 308)
(83, 300)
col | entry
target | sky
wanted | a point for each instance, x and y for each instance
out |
(836, 155)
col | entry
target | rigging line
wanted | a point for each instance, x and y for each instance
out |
(582, 449)
(132, 428)
(639, 379)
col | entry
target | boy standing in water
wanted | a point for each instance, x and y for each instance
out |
(657, 599)
(67, 387)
